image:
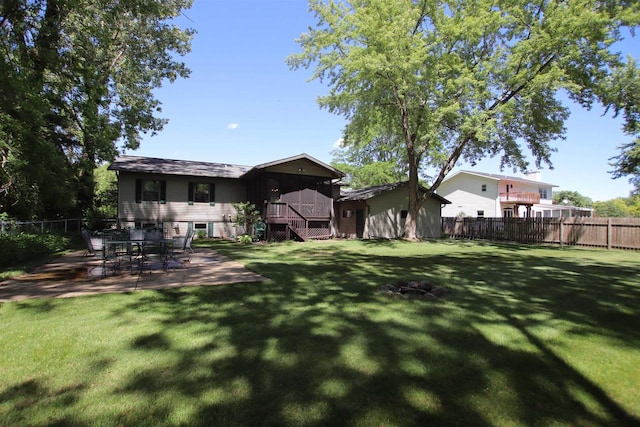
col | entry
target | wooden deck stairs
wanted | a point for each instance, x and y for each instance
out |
(285, 223)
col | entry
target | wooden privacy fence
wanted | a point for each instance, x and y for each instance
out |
(610, 233)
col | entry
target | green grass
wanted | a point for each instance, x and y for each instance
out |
(527, 336)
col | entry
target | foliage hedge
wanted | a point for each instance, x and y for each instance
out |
(18, 248)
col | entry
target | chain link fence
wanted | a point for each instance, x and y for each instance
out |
(41, 227)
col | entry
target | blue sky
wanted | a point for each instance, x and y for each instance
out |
(243, 105)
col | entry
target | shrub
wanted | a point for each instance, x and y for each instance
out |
(18, 248)
(245, 239)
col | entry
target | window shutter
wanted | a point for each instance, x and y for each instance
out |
(212, 194)
(138, 190)
(190, 195)
(163, 191)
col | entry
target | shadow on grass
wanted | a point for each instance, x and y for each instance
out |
(32, 396)
(319, 345)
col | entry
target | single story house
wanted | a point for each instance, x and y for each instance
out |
(298, 198)
(380, 212)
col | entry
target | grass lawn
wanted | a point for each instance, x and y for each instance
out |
(526, 336)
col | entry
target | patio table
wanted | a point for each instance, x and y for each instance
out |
(138, 251)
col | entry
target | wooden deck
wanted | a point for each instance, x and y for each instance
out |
(520, 198)
(285, 221)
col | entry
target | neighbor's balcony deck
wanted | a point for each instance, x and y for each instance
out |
(523, 198)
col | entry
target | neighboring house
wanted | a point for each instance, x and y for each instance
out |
(477, 194)
(380, 212)
(295, 195)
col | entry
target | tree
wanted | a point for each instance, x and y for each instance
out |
(370, 164)
(76, 87)
(611, 208)
(452, 80)
(627, 163)
(105, 201)
(572, 198)
(246, 216)
(633, 203)
(624, 92)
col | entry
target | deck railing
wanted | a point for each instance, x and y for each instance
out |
(528, 198)
(286, 212)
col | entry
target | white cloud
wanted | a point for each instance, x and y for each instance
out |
(233, 126)
(339, 143)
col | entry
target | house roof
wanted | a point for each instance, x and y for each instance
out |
(369, 192)
(177, 167)
(498, 177)
(335, 173)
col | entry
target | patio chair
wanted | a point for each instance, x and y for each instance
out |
(154, 255)
(87, 240)
(187, 241)
(93, 243)
(260, 231)
(182, 248)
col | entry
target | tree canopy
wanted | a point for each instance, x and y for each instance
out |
(76, 86)
(624, 96)
(572, 198)
(370, 164)
(627, 163)
(616, 208)
(464, 79)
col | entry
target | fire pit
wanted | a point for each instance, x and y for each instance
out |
(423, 289)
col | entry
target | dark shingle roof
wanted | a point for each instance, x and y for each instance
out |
(369, 192)
(335, 173)
(177, 167)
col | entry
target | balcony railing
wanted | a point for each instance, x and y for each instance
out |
(525, 198)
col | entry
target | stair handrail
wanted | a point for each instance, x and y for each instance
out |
(298, 222)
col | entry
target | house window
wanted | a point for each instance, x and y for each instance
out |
(543, 193)
(201, 192)
(484, 187)
(507, 213)
(480, 214)
(347, 213)
(151, 190)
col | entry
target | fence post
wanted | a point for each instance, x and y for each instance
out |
(561, 231)
(608, 233)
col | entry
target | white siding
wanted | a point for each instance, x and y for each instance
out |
(467, 198)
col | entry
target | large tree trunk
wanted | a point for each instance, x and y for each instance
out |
(415, 201)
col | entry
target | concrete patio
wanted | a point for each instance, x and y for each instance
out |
(75, 275)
